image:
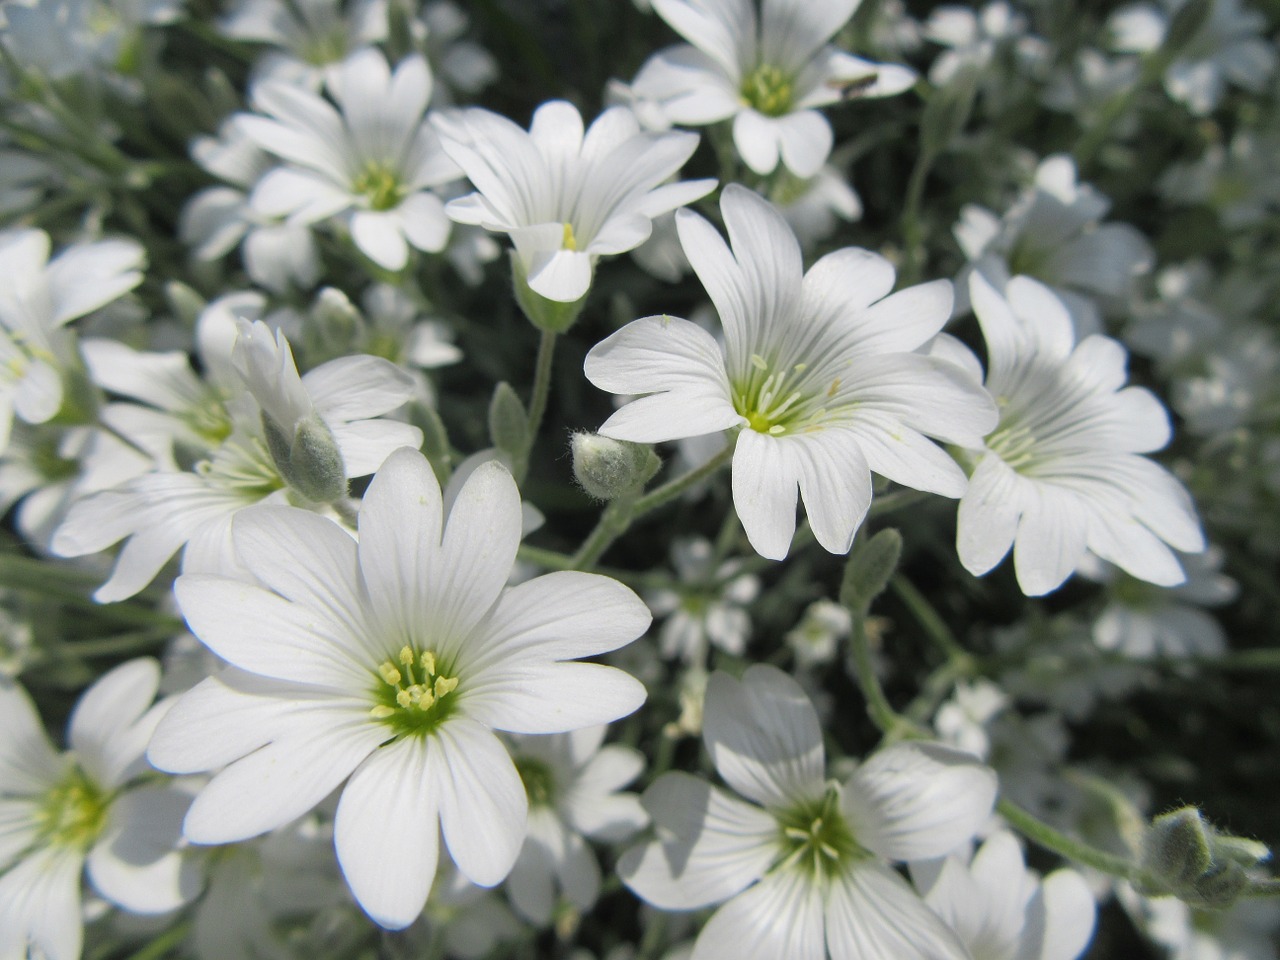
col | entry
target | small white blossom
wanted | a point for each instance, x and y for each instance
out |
(707, 606)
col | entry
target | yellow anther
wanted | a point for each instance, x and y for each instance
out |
(777, 429)
(427, 701)
(389, 673)
(445, 685)
(406, 655)
(569, 242)
(835, 385)
(758, 362)
(428, 661)
(381, 712)
(404, 699)
(800, 367)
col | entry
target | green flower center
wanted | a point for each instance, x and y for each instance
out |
(73, 813)
(539, 781)
(769, 90)
(414, 693)
(322, 49)
(780, 401)
(815, 837)
(1013, 443)
(381, 185)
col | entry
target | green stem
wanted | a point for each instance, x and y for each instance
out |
(893, 502)
(52, 582)
(912, 235)
(1262, 888)
(162, 946)
(893, 725)
(538, 398)
(555, 560)
(1041, 834)
(931, 622)
(121, 643)
(620, 514)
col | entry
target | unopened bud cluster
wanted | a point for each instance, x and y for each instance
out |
(1195, 862)
(611, 469)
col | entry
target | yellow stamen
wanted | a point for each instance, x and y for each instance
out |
(570, 242)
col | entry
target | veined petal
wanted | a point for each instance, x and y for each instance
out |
(835, 484)
(40, 905)
(366, 444)
(99, 725)
(804, 139)
(656, 353)
(387, 832)
(533, 696)
(845, 281)
(906, 319)
(483, 806)
(987, 521)
(28, 763)
(707, 847)
(723, 29)
(561, 275)
(792, 30)
(914, 801)
(136, 863)
(281, 781)
(1052, 534)
(781, 916)
(763, 736)
(872, 914)
(353, 388)
(765, 486)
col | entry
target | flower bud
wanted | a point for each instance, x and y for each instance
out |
(1177, 847)
(869, 569)
(310, 460)
(611, 469)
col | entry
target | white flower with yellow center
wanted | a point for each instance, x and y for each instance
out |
(767, 72)
(1062, 473)
(93, 806)
(565, 196)
(372, 161)
(819, 369)
(802, 864)
(391, 662)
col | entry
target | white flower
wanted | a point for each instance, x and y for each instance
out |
(460, 64)
(813, 641)
(214, 454)
(820, 376)
(372, 163)
(973, 38)
(276, 255)
(1141, 620)
(766, 72)
(802, 864)
(38, 298)
(1062, 472)
(573, 786)
(1003, 911)
(707, 605)
(89, 806)
(962, 720)
(566, 197)
(1054, 233)
(1226, 48)
(314, 36)
(390, 663)
(62, 38)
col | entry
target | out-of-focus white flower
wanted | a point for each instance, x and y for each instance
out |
(962, 720)
(391, 662)
(93, 806)
(802, 864)
(767, 71)
(1246, 931)
(277, 255)
(372, 162)
(1178, 327)
(38, 298)
(213, 455)
(565, 197)
(462, 67)
(814, 639)
(573, 786)
(1062, 472)
(707, 607)
(313, 37)
(1086, 85)
(1238, 180)
(1054, 234)
(1141, 620)
(1226, 49)
(1002, 911)
(820, 377)
(814, 207)
(973, 38)
(63, 38)
(1238, 378)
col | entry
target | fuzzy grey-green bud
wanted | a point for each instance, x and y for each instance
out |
(1177, 847)
(870, 567)
(309, 461)
(610, 469)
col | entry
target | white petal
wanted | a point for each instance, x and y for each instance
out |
(87, 276)
(281, 781)
(136, 863)
(872, 915)
(354, 388)
(763, 736)
(100, 723)
(805, 140)
(563, 276)
(781, 916)
(483, 805)
(765, 486)
(847, 280)
(757, 139)
(835, 483)
(380, 237)
(708, 845)
(40, 902)
(540, 697)
(387, 832)
(1060, 920)
(1052, 534)
(28, 762)
(424, 222)
(913, 801)
(987, 521)
(366, 444)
